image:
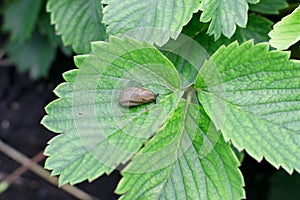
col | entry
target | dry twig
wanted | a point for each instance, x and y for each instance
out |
(36, 168)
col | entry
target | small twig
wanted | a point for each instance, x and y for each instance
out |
(19, 157)
(22, 169)
(20, 180)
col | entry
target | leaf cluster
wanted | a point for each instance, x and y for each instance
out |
(220, 84)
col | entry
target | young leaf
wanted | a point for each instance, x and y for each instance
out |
(99, 134)
(172, 166)
(20, 18)
(257, 29)
(156, 21)
(260, 93)
(187, 56)
(78, 21)
(286, 32)
(224, 16)
(269, 6)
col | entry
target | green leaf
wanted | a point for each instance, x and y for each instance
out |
(99, 134)
(253, 1)
(269, 6)
(209, 43)
(286, 32)
(34, 55)
(258, 101)
(45, 28)
(78, 21)
(257, 29)
(194, 27)
(20, 17)
(284, 186)
(153, 21)
(224, 16)
(239, 154)
(172, 166)
(187, 56)
(185, 69)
